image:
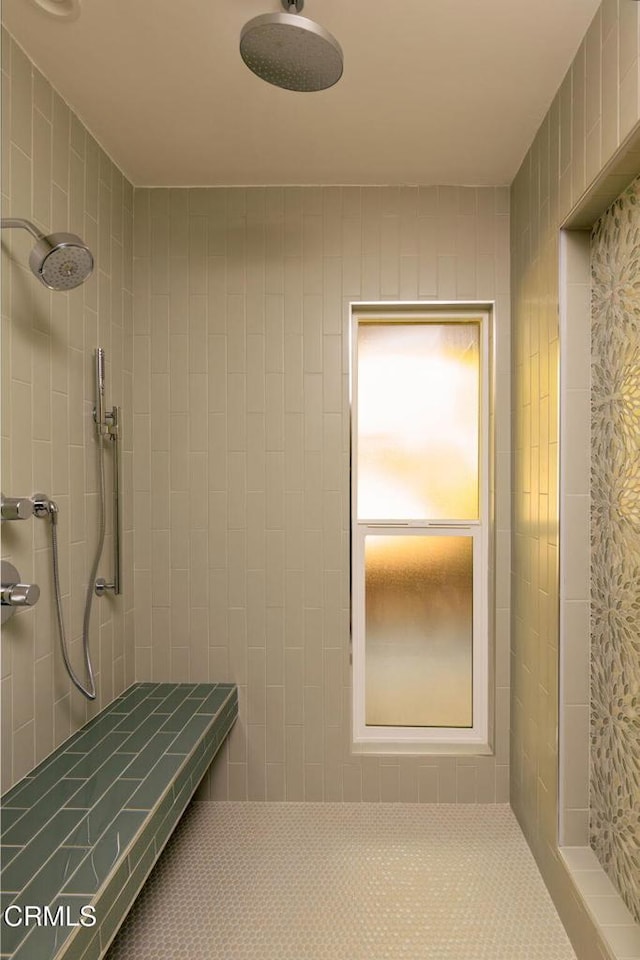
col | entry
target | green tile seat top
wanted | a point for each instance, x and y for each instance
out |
(82, 831)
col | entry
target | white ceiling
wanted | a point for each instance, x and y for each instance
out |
(433, 91)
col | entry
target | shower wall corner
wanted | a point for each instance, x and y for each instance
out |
(56, 175)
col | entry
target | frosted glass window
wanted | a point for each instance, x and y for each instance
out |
(418, 402)
(420, 445)
(418, 630)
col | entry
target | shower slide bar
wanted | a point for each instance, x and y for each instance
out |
(108, 427)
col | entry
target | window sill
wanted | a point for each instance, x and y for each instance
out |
(400, 748)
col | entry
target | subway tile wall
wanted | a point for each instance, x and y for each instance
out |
(241, 431)
(595, 110)
(241, 461)
(55, 174)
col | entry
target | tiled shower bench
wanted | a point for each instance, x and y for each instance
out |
(86, 826)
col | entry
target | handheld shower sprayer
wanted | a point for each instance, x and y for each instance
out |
(108, 429)
(60, 261)
(98, 413)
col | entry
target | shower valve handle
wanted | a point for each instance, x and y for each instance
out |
(16, 508)
(20, 594)
(13, 593)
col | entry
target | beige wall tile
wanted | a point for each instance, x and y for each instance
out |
(628, 100)
(274, 419)
(466, 781)
(535, 283)
(447, 780)
(594, 151)
(20, 70)
(576, 827)
(574, 776)
(593, 72)
(54, 180)
(576, 574)
(576, 654)
(610, 92)
(578, 122)
(576, 369)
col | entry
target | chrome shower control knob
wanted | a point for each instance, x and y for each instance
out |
(14, 594)
(15, 508)
(20, 594)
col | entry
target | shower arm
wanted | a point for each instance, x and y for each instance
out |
(10, 222)
(60, 261)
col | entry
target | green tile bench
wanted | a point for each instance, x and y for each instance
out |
(82, 831)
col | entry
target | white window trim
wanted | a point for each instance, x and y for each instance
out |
(394, 740)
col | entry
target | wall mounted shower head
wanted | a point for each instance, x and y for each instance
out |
(61, 261)
(291, 51)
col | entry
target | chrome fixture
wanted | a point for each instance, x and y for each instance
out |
(13, 593)
(43, 507)
(46, 509)
(291, 51)
(15, 508)
(107, 427)
(61, 261)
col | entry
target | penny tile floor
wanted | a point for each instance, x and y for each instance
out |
(338, 881)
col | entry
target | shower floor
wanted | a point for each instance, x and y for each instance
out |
(333, 881)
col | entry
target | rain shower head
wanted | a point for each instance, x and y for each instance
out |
(291, 51)
(61, 261)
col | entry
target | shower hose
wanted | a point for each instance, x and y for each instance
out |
(89, 690)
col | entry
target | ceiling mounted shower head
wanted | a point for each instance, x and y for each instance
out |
(61, 261)
(291, 51)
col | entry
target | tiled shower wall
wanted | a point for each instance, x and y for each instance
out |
(614, 795)
(596, 108)
(241, 461)
(56, 175)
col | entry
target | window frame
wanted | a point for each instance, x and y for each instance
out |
(401, 739)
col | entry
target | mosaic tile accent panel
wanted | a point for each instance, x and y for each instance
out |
(615, 545)
(86, 826)
(591, 116)
(340, 881)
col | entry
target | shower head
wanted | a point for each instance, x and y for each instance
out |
(291, 51)
(61, 261)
